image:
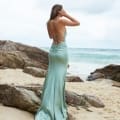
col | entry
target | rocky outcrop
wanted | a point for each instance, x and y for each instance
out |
(29, 97)
(19, 97)
(37, 72)
(13, 59)
(109, 72)
(16, 55)
(95, 76)
(72, 78)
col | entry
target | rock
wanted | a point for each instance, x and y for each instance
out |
(110, 72)
(116, 77)
(11, 59)
(29, 97)
(94, 76)
(8, 45)
(16, 55)
(94, 101)
(19, 97)
(73, 79)
(37, 72)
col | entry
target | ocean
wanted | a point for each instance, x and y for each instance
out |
(83, 61)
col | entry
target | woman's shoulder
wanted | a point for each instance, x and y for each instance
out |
(56, 22)
(49, 23)
(62, 21)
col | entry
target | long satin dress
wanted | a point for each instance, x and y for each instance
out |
(53, 105)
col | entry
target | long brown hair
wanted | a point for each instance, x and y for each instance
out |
(55, 10)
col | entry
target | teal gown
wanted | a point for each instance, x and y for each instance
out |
(53, 105)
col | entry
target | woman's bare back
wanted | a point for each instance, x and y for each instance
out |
(56, 30)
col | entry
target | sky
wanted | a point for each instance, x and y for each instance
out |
(24, 21)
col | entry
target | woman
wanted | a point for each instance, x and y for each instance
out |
(53, 105)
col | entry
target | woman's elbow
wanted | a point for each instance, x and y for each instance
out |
(78, 23)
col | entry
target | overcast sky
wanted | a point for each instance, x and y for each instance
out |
(25, 21)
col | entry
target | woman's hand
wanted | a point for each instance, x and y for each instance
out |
(62, 12)
(71, 21)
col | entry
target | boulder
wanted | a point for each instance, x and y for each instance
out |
(95, 75)
(16, 55)
(72, 78)
(19, 97)
(37, 72)
(94, 101)
(11, 59)
(111, 71)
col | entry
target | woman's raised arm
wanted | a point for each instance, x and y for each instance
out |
(70, 21)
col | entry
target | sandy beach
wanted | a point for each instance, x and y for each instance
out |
(101, 88)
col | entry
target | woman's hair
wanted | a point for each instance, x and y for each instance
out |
(55, 11)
